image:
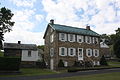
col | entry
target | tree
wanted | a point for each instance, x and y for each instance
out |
(5, 22)
(103, 61)
(116, 46)
(41, 47)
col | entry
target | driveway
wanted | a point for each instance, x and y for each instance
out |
(61, 75)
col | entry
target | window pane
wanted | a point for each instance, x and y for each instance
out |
(29, 53)
(62, 51)
(62, 36)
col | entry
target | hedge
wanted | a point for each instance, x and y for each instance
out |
(9, 64)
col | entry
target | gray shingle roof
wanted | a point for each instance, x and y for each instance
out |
(20, 46)
(69, 29)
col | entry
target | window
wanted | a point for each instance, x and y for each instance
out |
(88, 39)
(95, 40)
(51, 38)
(71, 51)
(96, 52)
(29, 53)
(80, 53)
(96, 63)
(71, 37)
(52, 52)
(62, 36)
(79, 38)
(89, 52)
(63, 51)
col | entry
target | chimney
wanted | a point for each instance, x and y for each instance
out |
(19, 42)
(88, 27)
(52, 21)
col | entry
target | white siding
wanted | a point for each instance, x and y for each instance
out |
(25, 57)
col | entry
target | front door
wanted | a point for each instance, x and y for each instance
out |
(51, 64)
(80, 53)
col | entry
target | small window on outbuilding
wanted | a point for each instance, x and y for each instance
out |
(29, 53)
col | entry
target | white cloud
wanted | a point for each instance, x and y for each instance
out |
(23, 3)
(95, 12)
(39, 17)
(25, 37)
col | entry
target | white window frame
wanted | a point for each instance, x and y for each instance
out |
(90, 52)
(69, 51)
(95, 40)
(80, 58)
(51, 52)
(62, 38)
(79, 37)
(60, 51)
(94, 52)
(73, 37)
(86, 39)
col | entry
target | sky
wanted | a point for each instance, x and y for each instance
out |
(32, 16)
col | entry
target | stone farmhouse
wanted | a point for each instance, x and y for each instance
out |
(70, 44)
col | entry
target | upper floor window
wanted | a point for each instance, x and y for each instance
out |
(95, 40)
(71, 51)
(52, 52)
(62, 36)
(79, 38)
(63, 51)
(96, 52)
(89, 52)
(71, 37)
(29, 54)
(88, 39)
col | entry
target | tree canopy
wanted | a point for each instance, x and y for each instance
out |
(5, 22)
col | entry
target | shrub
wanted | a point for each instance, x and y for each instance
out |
(41, 64)
(88, 64)
(61, 64)
(78, 64)
(9, 64)
(103, 61)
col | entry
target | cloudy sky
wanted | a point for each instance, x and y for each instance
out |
(32, 16)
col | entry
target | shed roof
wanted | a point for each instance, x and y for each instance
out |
(20, 46)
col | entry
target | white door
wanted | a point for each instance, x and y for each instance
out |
(80, 53)
(51, 64)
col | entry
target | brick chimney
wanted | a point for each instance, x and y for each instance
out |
(88, 27)
(19, 42)
(52, 21)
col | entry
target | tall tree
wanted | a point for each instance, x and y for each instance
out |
(116, 45)
(5, 22)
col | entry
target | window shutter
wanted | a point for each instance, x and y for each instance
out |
(59, 36)
(65, 51)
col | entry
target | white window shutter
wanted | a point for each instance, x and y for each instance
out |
(59, 36)
(74, 51)
(65, 51)
(60, 51)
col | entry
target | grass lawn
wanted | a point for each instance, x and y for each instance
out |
(32, 72)
(114, 63)
(106, 76)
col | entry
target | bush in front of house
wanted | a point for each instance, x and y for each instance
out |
(9, 64)
(41, 64)
(103, 61)
(88, 64)
(78, 64)
(61, 63)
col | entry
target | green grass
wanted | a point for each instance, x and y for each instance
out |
(32, 72)
(1, 54)
(114, 64)
(106, 76)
